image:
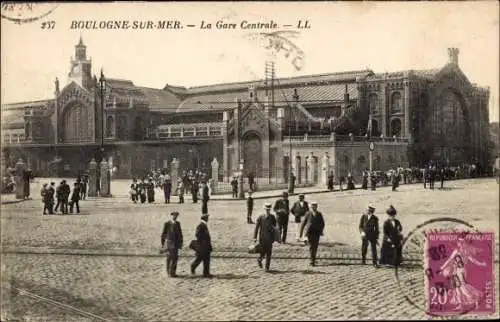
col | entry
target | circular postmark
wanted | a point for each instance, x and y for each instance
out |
(433, 277)
(26, 12)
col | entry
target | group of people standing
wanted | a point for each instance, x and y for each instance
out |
(144, 189)
(67, 198)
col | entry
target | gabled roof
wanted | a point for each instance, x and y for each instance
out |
(37, 103)
(348, 76)
(160, 100)
(308, 94)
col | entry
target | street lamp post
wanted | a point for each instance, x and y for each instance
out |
(241, 184)
(102, 85)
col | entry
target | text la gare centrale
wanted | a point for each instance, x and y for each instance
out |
(176, 24)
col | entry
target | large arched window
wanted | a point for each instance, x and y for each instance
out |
(396, 106)
(110, 126)
(373, 104)
(396, 127)
(138, 129)
(346, 163)
(76, 124)
(122, 128)
(375, 128)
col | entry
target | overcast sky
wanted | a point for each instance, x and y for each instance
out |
(343, 36)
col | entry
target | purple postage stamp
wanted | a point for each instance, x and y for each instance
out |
(459, 273)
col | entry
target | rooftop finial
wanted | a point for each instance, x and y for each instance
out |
(80, 43)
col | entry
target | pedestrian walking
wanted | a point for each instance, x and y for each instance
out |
(83, 188)
(251, 181)
(59, 196)
(43, 191)
(390, 252)
(150, 190)
(171, 242)
(330, 181)
(203, 248)
(425, 176)
(49, 198)
(299, 210)
(350, 182)
(167, 188)
(312, 228)
(282, 210)
(364, 185)
(234, 187)
(205, 197)
(134, 190)
(180, 190)
(373, 181)
(368, 228)
(249, 208)
(395, 180)
(66, 191)
(75, 198)
(291, 189)
(265, 230)
(441, 176)
(195, 187)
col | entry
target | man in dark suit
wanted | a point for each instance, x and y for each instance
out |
(265, 229)
(282, 210)
(368, 228)
(299, 210)
(204, 248)
(204, 198)
(312, 227)
(172, 235)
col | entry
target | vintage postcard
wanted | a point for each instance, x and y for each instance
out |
(247, 161)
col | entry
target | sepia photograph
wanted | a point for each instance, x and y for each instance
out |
(249, 161)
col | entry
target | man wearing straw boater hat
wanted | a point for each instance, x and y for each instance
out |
(368, 228)
(265, 229)
(172, 235)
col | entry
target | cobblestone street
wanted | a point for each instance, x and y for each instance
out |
(125, 278)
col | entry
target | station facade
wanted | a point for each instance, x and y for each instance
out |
(311, 124)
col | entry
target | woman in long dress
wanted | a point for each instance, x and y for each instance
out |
(463, 294)
(390, 253)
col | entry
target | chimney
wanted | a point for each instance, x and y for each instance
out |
(346, 95)
(453, 55)
(295, 95)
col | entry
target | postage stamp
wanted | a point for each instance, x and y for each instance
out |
(459, 273)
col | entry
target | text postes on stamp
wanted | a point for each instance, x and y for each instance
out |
(459, 273)
(25, 12)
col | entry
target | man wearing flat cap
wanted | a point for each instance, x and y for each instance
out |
(390, 252)
(282, 210)
(204, 248)
(171, 241)
(368, 228)
(312, 228)
(265, 229)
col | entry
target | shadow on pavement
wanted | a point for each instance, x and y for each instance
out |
(217, 277)
(305, 272)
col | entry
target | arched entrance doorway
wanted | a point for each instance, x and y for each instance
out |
(252, 154)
